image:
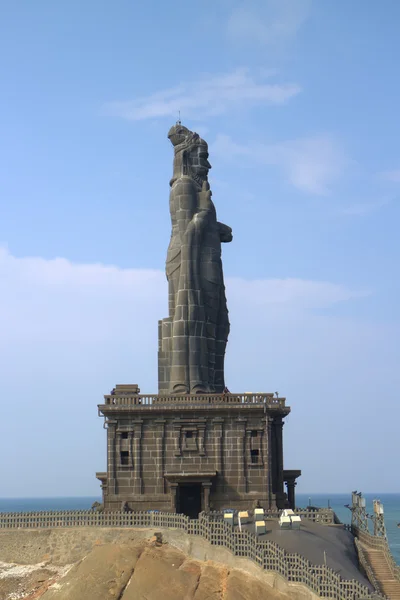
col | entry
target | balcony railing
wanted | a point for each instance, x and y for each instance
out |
(268, 400)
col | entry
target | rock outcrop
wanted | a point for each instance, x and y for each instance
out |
(133, 570)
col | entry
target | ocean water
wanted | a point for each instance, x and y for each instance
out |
(391, 504)
(37, 504)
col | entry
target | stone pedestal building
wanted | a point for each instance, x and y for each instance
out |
(187, 454)
(194, 446)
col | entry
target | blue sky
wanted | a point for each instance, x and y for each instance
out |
(298, 100)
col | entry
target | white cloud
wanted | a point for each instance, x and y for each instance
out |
(267, 22)
(71, 331)
(59, 300)
(310, 164)
(292, 295)
(209, 96)
(364, 208)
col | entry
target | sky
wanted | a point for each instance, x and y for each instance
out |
(298, 101)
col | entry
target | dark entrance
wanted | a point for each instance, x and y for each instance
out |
(189, 499)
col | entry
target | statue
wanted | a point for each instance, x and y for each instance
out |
(193, 338)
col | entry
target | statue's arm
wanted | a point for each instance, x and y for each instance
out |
(225, 232)
(207, 208)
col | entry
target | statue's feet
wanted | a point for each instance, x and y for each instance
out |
(199, 389)
(179, 390)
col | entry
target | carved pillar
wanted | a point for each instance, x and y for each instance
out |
(177, 439)
(111, 457)
(241, 455)
(173, 491)
(137, 458)
(218, 441)
(160, 486)
(291, 484)
(268, 461)
(280, 495)
(205, 500)
(201, 428)
(132, 464)
(247, 454)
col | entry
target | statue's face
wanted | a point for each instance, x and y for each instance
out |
(199, 160)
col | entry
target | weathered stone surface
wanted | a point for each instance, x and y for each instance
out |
(140, 571)
(25, 581)
(103, 574)
(163, 573)
(241, 586)
(212, 583)
(192, 339)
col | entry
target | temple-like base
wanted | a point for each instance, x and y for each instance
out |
(193, 453)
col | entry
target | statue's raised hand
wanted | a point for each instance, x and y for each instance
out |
(204, 197)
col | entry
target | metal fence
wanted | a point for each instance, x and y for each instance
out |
(323, 516)
(267, 554)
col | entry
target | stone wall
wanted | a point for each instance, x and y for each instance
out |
(229, 450)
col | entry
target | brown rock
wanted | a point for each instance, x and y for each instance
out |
(212, 583)
(241, 586)
(136, 570)
(163, 573)
(103, 574)
(23, 584)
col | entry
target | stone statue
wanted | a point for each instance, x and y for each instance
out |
(193, 338)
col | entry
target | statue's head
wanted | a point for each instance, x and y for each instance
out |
(198, 159)
(191, 152)
(178, 134)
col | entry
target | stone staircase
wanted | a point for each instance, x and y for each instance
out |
(390, 586)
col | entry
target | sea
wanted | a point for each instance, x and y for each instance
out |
(391, 505)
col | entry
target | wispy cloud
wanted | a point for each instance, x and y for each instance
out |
(59, 287)
(310, 164)
(209, 96)
(360, 209)
(267, 22)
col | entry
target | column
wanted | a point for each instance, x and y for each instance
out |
(173, 491)
(205, 500)
(278, 424)
(290, 484)
(268, 462)
(218, 433)
(177, 436)
(240, 464)
(111, 457)
(247, 458)
(160, 457)
(132, 463)
(201, 429)
(137, 458)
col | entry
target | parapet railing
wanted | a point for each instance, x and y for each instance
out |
(267, 554)
(378, 543)
(201, 399)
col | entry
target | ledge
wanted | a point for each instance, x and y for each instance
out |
(120, 398)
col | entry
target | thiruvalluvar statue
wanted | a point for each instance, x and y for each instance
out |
(197, 302)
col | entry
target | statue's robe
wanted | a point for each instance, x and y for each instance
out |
(197, 303)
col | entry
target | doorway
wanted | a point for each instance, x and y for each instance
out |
(189, 499)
